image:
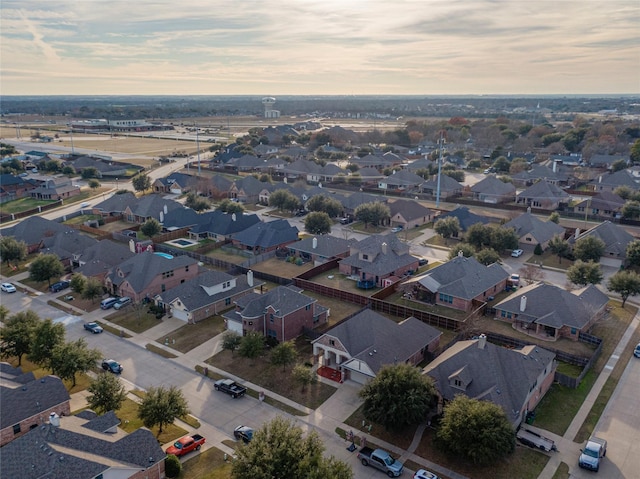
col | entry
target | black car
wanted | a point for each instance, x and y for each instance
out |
(110, 365)
(243, 433)
(59, 286)
(94, 327)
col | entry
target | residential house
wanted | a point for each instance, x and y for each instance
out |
(84, 446)
(531, 230)
(544, 196)
(281, 314)
(147, 274)
(13, 187)
(176, 183)
(96, 260)
(402, 180)
(551, 312)
(374, 161)
(67, 246)
(460, 283)
(55, 189)
(262, 151)
(149, 206)
(264, 237)
(605, 204)
(369, 175)
(378, 260)
(116, 204)
(33, 230)
(103, 165)
(514, 379)
(354, 200)
(449, 188)
(492, 190)
(321, 248)
(422, 163)
(303, 169)
(466, 218)
(209, 293)
(556, 175)
(246, 163)
(609, 182)
(409, 214)
(361, 345)
(329, 172)
(615, 239)
(217, 187)
(606, 161)
(26, 402)
(221, 226)
(246, 190)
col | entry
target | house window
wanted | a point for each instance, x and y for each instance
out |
(16, 428)
(186, 268)
(457, 383)
(164, 288)
(271, 318)
(332, 342)
(167, 274)
(272, 333)
(505, 314)
(307, 307)
(365, 256)
(445, 298)
(574, 330)
(227, 301)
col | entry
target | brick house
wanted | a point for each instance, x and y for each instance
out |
(264, 237)
(26, 402)
(281, 313)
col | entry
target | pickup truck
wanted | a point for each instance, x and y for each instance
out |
(592, 453)
(186, 444)
(230, 387)
(382, 460)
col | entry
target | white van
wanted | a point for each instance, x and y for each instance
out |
(108, 303)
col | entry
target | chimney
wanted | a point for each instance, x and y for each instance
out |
(233, 217)
(315, 243)
(250, 278)
(165, 209)
(54, 419)
(161, 217)
(384, 248)
(523, 303)
(555, 166)
(600, 179)
(577, 233)
(482, 341)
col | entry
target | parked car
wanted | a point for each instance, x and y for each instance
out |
(230, 387)
(636, 352)
(346, 220)
(186, 444)
(108, 303)
(381, 459)
(122, 302)
(424, 474)
(396, 229)
(94, 327)
(423, 261)
(516, 253)
(59, 286)
(110, 365)
(8, 288)
(244, 433)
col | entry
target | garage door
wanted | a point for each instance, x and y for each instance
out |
(235, 327)
(180, 314)
(358, 377)
(614, 262)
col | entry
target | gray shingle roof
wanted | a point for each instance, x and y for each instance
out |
(528, 224)
(281, 298)
(219, 223)
(392, 342)
(463, 277)
(326, 245)
(502, 376)
(34, 228)
(30, 399)
(67, 244)
(102, 423)
(544, 191)
(142, 268)
(493, 187)
(615, 238)
(465, 217)
(409, 209)
(266, 235)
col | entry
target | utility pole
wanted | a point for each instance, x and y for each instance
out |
(198, 147)
(440, 143)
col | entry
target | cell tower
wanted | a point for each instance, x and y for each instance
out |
(268, 103)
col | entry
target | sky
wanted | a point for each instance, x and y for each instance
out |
(320, 47)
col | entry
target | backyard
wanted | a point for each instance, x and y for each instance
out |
(282, 268)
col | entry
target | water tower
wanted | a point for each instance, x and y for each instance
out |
(268, 103)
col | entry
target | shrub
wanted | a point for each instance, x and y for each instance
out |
(172, 466)
(538, 250)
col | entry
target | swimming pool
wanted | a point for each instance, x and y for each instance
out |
(164, 255)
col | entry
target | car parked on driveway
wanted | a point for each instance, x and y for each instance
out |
(243, 433)
(94, 327)
(636, 352)
(396, 229)
(8, 288)
(424, 474)
(113, 366)
(59, 286)
(516, 253)
(122, 302)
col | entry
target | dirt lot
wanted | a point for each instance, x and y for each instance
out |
(281, 268)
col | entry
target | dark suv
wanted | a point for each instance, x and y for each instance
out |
(59, 286)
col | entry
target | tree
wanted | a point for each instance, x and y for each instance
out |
(398, 396)
(478, 431)
(12, 250)
(625, 283)
(317, 223)
(17, 334)
(89, 172)
(279, 449)
(47, 335)
(68, 359)
(331, 206)
(284, 354)
(92, 289)
(45, 267)
(589, 248)
(633, 253)
(635, 151)
(141, 182)
(78, 283)
(372, 213)
(172, 466)
(554, 217)
(151, 227)
(477, 235)
(501, 164)
(487, 256)
(618, 165)
(304, 375)
(252, 345)
(93, 184)
(583, 273)
(466, 249)
(197, 202)
(447, 227)
(107, 393)
(559, 246)
(230, 341)
(531, 273)
(161, 406)
(284, 200)
(631, 210)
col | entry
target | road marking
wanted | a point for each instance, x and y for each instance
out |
(608, 367)
(615, 356)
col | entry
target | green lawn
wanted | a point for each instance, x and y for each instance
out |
(134, 320)
(23, 204)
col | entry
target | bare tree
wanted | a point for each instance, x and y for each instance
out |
(531, 273)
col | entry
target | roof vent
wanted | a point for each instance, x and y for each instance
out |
(375, 350)
(370, 354)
